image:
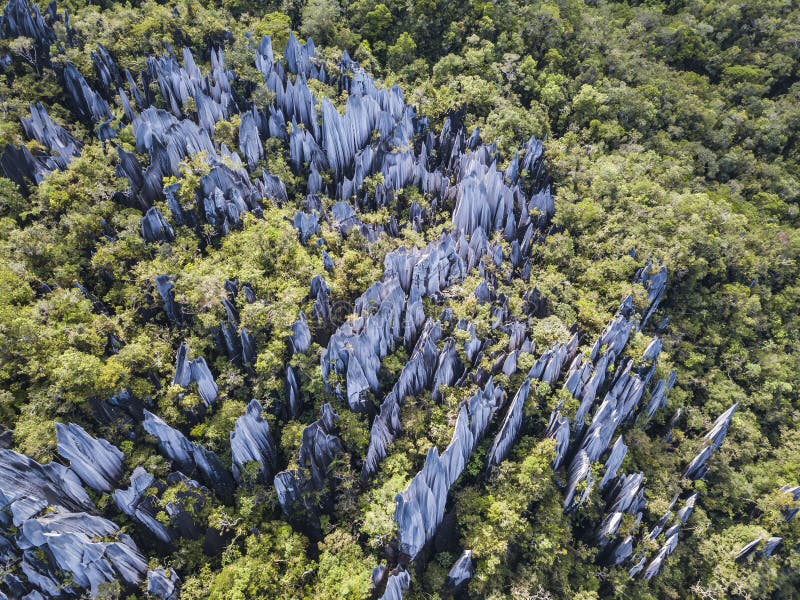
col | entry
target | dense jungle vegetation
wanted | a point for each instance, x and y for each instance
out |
(671, 133)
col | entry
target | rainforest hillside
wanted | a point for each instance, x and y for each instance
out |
(413, 299)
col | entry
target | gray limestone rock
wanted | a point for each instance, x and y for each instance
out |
(71, 545)
(98, 463)
(461, 572)
(188, 456)
(163, 584)
(27, 488)
(251, 442)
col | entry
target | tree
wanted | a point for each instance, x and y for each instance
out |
(320, 20)
(402, 51)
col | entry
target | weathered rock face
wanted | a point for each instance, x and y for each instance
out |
(155, 227)
(189, 457)
(460, 573)
(20, 18)
(420, 508)
(251, 442)
(248, 345)
(106, 70)
(306, 224)
(250, 139)
(140, 506)
(698, 467)
(548, 366)
(40, 127)
(294, 402)
(166, 290)
(770, 546)
(613, 462)
(415, 377)
(617, 553)
(655, 283)
(558, 429)
(98, 463)
(749, 549)
(666, 550)
(225, 193)
(301, 335)
(578, 471)
(69, 543)
(178, 501)
(547, 369)
(510, 428)
(88, 104)
(448, 369)
(22, 167)
(296, 487)
(27, 488)
(229, 339)
(659, 393)
(195, 371)
(163, 584)
(716, 435)
(396, 585)
(356, 348)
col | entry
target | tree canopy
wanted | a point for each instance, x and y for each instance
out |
(670, 139)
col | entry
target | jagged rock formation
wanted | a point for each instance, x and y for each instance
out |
(166, 290)
(195, 371)
(498, 216)
(21, 19)
(794, 493)
(88, 104)
(460, 573)
(547, 369)
(163, 584)
(416, 376)
(74, 551)
(61, 145)
(98, 463)
(420, 508)
(27, 488)
(155, 227)
(296, 487)
(251, 441)
(396, 585)
(510, 428)
(188, 456)
(140, 506)
(301, 335)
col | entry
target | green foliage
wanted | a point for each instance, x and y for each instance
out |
(276, 25)
(671, 133)
(343, 571)
(320, 19)
(273, 566)
(402, 51)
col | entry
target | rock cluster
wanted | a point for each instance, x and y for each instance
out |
(251, 442)
(98, 463)
(498, 216)
(297, 487)
(70, 544)
(420, 508)
(190, 458)
(196, 372)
